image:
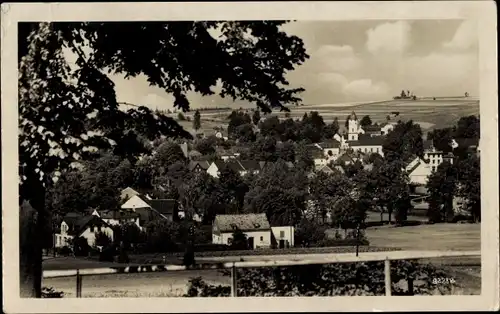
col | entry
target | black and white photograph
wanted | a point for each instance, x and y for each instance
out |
(228, 153)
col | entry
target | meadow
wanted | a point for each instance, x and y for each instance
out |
(428, 113)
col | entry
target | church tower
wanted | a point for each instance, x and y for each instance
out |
(352, 127)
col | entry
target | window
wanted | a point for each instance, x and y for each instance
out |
(261, 239)
(282, 234)
(229, 241)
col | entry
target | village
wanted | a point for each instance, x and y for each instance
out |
(358, 146)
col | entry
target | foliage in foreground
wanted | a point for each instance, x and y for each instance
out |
(352, 279)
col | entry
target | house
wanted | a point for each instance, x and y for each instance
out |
(317, 155)
(330, 148)
(325, 169)
(387, 127)
(127, 193)
(75, 225)
(222, 134)
(118, 217)
(372, 130)
(242, 167)
(367, 144)
(198, 165)
(152, 209)
(418, 171)
(434, 156)
(226, 154)
(282, 236)
(256, 227)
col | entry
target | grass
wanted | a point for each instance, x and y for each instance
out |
(428, 113)
(456, 237)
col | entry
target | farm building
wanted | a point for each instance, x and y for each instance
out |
(75, 225)
(256, 227)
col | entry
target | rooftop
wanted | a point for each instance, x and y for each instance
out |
(243, 222)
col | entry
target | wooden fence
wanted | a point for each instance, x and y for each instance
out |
(314, 259)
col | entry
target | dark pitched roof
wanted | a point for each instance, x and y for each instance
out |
(329, 144)
(117, 214)
(163, 206)
(346, 157)
(204, 164)
(251, 165)
(314, 151)
(367, 141)
(244, 222)
(78, 222)
(231, 163)
(372, 128)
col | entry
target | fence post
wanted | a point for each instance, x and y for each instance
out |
(233, 281)
(78, 284)
(387, 272)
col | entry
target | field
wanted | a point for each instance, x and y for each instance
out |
(428, 113)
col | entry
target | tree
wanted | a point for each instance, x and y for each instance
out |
(264, 149)
(331, 129)
(102, 239)
(286, 151)
(304, 158)
(404, 142)
(54, 136)
(237, 118)
(196, 120)
(442, 187)
(240, 240)
(271, 127)
(365, 121)
(441, 139)
(280, 192)
(468, 127)
(244, 133)
(206, 146)
(256, 117)
(469, 185)
(166, 155)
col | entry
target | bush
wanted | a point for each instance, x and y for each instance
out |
(198, 288)
(81, 247)
(181, 116)
(309, 233)
(343, 279)
(49, 292)
(102, 239)
(211, 247)
(108, 254)
(64, 251)
(123, 257)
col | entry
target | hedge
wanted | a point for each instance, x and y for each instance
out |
(343, 279)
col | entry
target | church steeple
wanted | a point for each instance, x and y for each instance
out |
(352, 127)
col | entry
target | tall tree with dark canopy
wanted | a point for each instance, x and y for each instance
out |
(196, 120)
(442, 187)
(404, 142)
(256, 117)
(177, 57)
(365, 121)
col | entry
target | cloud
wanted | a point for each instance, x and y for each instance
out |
(465, 37)
(336, 58)
(366, 89)
(392, 37)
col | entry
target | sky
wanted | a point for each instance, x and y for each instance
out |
(353, 61)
